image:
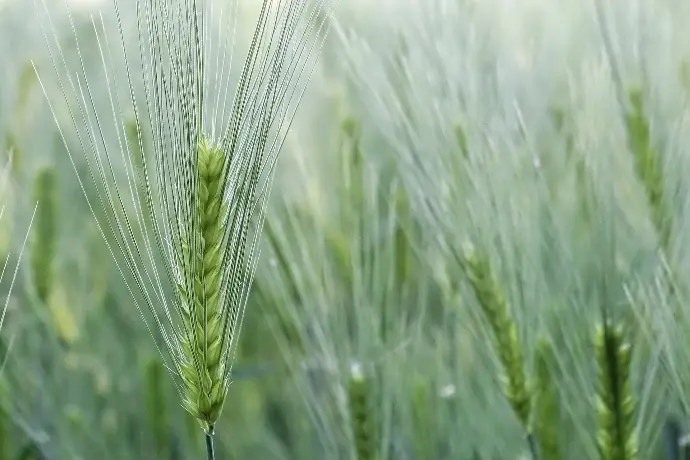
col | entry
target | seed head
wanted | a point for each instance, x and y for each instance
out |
(182, 176)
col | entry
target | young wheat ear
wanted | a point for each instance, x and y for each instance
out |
(361, 417)
(213, 164)
(507, 346)
(203, 369)
(615, 404)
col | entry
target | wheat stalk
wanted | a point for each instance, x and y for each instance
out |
(201, 205)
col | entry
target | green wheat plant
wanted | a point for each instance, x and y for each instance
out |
(345, 288)
(182, 221)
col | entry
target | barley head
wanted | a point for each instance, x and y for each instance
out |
(615, 405)
(362, 421)
(156, 406)
(182, 189)
(648, 164)
(202, 365)
(507, 346)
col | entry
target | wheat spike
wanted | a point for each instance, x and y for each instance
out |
(361, 420)
(614, 402)
(202, 366)
(507, 346)
(183, 206)
(648, 164)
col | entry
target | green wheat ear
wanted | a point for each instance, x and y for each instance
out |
(157, 408)
(615, 406)
(506, 343)
(43, 243)
(546, 404)
(202, 368)
(189, 211)
(362, 422)
(648, 164)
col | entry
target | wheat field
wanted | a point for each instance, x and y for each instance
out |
(472, 244)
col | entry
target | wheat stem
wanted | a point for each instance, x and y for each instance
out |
(210, 451)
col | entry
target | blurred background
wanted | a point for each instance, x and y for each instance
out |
(552, 136)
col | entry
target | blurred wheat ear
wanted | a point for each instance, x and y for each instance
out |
(362, 423)
(616, 438)
(507, 346)
(183, 214)
(546, 403)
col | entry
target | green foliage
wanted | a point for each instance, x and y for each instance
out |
(451, 136)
